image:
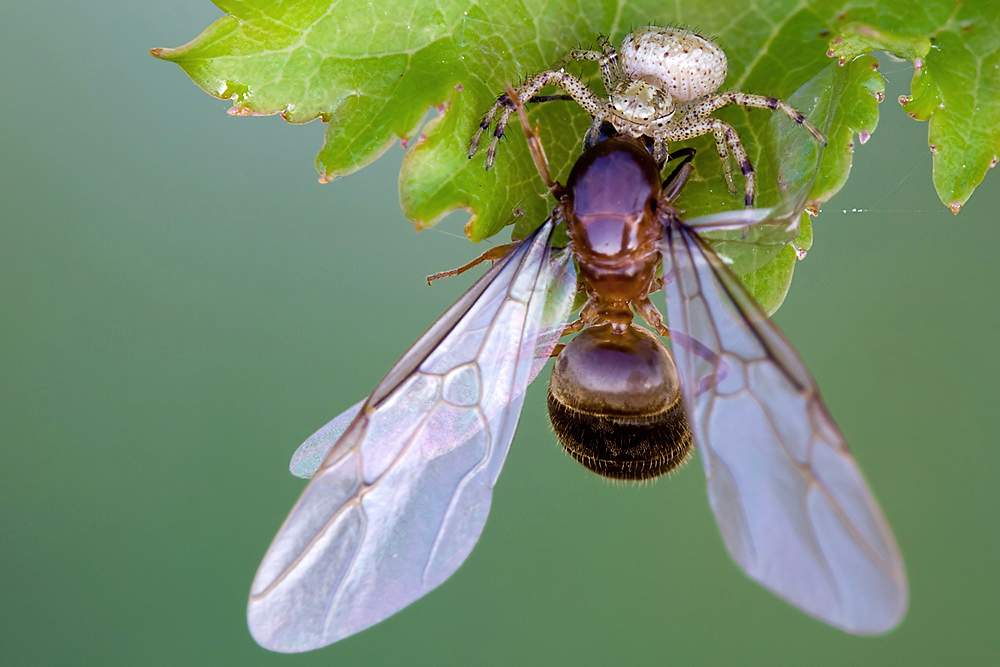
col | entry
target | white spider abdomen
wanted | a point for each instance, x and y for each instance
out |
(683, 63)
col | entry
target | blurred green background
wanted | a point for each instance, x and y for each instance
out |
(183, 304)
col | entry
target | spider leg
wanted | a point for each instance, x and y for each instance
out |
(715, 102)
(726, 140)
(611, 69)
(593, 134)
(504, 107)
(613, 73)
(538, 99)
(583, 54)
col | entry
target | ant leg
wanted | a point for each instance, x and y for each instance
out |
(655, 320)
(687, 153)
(663, 156)
(652, 315)
(676, 181)
(491, 255)
(679, 177)
(570, 328)
(577, 325)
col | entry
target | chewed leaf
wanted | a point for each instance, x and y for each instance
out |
(798, 175)
(375, 73)
(956, 82)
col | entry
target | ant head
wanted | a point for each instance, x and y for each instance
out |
(603, 129)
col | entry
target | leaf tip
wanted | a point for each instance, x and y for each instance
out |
(955, 207)
(166, 53)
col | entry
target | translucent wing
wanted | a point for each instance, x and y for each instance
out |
(790, 501)
(310, 454)
(749, 238)
(402, 497)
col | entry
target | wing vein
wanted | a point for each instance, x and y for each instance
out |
(682, 230)
(487, 455)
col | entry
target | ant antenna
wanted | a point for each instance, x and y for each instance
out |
(534, 144)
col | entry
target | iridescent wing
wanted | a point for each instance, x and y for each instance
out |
(749, 238)
(310, 454)
(403, 495)
(790, 502)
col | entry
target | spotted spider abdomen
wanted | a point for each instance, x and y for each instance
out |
(679, 61)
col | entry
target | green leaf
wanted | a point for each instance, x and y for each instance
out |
(852, 92)
(955, 49)
(373, 72)
(769, 284)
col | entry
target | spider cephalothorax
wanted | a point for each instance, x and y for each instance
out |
(662, 85)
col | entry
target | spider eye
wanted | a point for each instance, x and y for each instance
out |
(652, 204)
